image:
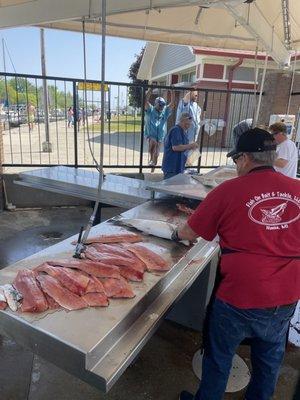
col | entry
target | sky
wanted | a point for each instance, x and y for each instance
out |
(64, 54)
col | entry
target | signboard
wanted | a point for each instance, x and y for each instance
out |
(91, 86)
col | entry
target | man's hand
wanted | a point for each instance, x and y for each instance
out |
(184, 232)
(194, 146)
(187, 97)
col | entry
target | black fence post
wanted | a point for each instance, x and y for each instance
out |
(202, 130)
(142, 129)
(75, 125)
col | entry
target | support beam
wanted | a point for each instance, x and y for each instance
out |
(255, 23)
(44, 11)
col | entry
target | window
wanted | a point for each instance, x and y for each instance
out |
(189, 77)
(242, 74)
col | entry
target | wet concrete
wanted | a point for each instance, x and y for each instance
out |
(163, 367)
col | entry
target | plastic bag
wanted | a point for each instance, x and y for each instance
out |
(193, 157)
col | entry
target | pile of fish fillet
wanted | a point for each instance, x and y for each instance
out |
(108, 265)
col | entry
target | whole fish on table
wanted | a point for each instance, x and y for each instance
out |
(3, 303)
(160, 229)
(12, 296)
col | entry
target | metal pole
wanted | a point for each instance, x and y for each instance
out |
(292, 84)
(142, 129)
(261, 91)
(202, 131)
(47, 146)
(82, 239)
(3, 51)
(75, 116)
(103, 25)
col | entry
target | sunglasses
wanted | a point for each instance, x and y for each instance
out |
(236, 157)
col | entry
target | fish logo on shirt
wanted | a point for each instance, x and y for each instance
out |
(275, 211)
(272, 215)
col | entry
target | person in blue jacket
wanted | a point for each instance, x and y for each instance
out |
(155, 124)
(176, 147)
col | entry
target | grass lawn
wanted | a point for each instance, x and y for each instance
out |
(122, 123)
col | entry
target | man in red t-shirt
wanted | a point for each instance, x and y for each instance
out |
(257, 219)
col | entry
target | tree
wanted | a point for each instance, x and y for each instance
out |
(135, 92)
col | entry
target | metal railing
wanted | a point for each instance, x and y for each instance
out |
(73, 137)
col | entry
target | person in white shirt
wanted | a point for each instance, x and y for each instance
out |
(287, 153)
(188, 104)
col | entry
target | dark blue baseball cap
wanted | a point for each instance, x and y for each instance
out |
(253, 141)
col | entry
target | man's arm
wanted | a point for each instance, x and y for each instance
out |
(147, 97)
(187, 98)
(185, 232)
(184, 147)
(172, 101)
(280, 163)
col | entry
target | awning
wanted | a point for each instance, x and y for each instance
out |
(273, 25)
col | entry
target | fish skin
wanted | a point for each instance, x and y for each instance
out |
(153, 261)
(33, 297)
(61, 295)
(160, 229)
(3, 303)
(10, 294)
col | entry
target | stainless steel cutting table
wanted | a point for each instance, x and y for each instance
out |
(97, 344)
(192, 186)
(116, 190)
(181, 185)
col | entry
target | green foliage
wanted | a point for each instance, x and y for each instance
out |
(135, 92)
(22, 91)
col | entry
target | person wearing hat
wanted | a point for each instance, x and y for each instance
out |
(176, 144)
(156, 117)
(189, 104)
(287, 153)
(241, 127)
(257, 219)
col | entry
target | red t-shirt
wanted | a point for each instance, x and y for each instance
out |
(258, 216)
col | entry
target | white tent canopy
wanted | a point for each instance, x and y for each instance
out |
(273, 25)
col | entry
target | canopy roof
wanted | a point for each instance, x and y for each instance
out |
(273, 25)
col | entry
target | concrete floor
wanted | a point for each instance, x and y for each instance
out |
(163, 367)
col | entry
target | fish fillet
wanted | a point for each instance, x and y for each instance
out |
(3, 303)
(116, 238)
(109, 259)
(72, 280)
(94, 286)
(129, 273)
(33, 298)
(62, 296)
(153, 261)
(52, 305)
(120, 250)
(96, 299)
(117, 288)
(97, 269)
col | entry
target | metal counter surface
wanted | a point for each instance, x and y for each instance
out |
(116, 190)
(181, 185)
(97, 344)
